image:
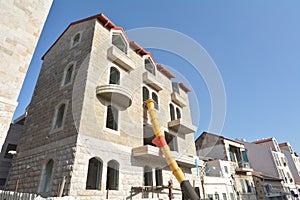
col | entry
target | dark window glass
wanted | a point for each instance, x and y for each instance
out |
(47, 176)
(2, 181)
(112, 117)
(68, 76)
(155, 99)
(149, 66)
(148, 181)
(171, 141)
(114, 77)
(249, 189)
(59, 116)
(178, 113)
(172, 112)
(158, 177)
(245, 157)
(119, 41)
(175, 87)
(76, 39)
(112, 178)
(231, 154)
(94, 174)
(145, 94)
(9, 150)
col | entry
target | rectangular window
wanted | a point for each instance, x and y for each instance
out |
(2, 181)
(158, 177)
(231, 196)
(217, 196)
(231, 154)
(112, 118)
(243, 186)
(149, 66)
(249, 189)
(224, 196)
(171, 141)
(10, 150)
(175, 87)
(245, 157)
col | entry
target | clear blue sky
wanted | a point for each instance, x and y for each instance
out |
(255, 45)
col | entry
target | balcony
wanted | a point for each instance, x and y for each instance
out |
(179, 100)
(115, 95)
(149, 153)
(181, 126)
(120, 58)
(244, 167)
(151, 80)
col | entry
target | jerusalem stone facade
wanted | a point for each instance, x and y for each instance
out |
(21, 24)
(87, 121)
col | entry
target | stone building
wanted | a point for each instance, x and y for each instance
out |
(9, 148)
(293, 162)
(266, 157)
(87, 121)
(21, 24)
(221, 148)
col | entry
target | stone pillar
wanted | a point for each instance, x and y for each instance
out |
(21, 24)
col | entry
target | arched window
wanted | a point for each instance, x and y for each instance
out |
(114, 77)
(94, 174)
(158, 177)
(178, 114)
(47, 176)
(112, 117)
(155, 99)
(145, 94)
(112, 178)
(119, 41)
(148, 178)
(68, 74)
(76, 39)
(172, 112)
(149, 66)
(59, 116)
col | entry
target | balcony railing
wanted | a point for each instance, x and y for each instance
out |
(244, 166)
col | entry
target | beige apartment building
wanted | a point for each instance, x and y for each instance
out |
(21, 25)
(266, 157)
(87, 123)
(237, 166)
(293, 162)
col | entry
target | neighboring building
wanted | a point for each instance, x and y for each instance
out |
(268, 187)
(9, 148)
(219, 147)
(293, 161)
(217, 180)
(265, 156)
(87, 120)
(21, 24)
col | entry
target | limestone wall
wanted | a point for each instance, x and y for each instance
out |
(21, 24)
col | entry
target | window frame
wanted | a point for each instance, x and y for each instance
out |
(99, 174)
(118, 119)
(63, 84)
(117, 171)
(110, 75)
(54, 119)
(176, 108)
(153, 71)
(151, 91)
(112, 32)
(73, 37)
(45, 184)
